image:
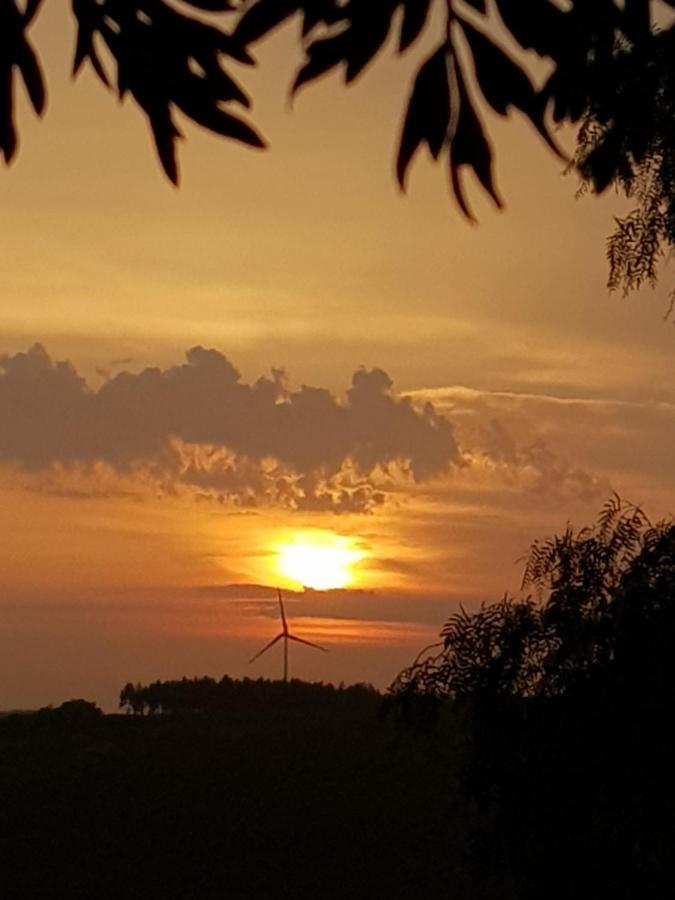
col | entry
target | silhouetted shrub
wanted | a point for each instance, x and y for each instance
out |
(73, 714)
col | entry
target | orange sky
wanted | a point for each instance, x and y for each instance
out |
(116, 552)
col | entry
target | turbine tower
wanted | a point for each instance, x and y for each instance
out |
(285, 636)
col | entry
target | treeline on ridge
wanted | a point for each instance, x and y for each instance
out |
(243, 699)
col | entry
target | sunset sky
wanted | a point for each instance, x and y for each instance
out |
(286, 350)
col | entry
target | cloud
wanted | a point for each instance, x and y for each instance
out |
(625, 442)
(534, 467)
(565, 447)
(198, 424)
(337, 604)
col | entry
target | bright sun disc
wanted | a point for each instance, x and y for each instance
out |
(319, 564)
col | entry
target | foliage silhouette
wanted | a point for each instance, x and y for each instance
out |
(16, 52)
(170, 58)
(604, 594)
(627, 139)
(565, 704)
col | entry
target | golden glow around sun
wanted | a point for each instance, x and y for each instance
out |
(321, 562)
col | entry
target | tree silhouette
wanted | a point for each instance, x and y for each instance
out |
(603, 616)
(173, 59)
(563, 701)
(245, 699)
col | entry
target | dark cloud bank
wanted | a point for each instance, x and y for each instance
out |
(198, 424)
(338, 603)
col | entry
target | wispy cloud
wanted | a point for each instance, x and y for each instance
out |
(625, 442)
(341, 604)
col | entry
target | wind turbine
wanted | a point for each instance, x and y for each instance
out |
(285, 636)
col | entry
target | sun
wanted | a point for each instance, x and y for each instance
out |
(321, 562)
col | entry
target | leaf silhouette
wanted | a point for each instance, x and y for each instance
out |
(167, 60)
(316, 12)
(470, 147)
(8, 138)
(535, 24)
(31, 10)
(504, 83)
(415, 14)
(212, 5)
(323, 55)
(165, 133)
(32, 76)
(602, 163)
(369, 29)
(263, 17)
(16, 53)
(428, 115)
(366, 31)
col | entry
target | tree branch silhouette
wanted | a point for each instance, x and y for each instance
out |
(609, 69)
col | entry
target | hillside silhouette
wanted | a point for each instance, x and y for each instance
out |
(243, 789)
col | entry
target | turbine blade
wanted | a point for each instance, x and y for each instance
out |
(292, 637)
(265, 648)
(283, 612)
